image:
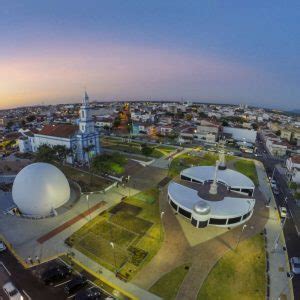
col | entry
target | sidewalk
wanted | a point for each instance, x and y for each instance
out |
(112, 279)
(279, 285)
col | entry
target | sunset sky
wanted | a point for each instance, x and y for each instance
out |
(213, 51)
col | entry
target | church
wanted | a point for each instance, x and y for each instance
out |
(82, 140)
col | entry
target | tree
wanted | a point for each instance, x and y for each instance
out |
(254, 126)
(109, 163)
(117, 122)
(45, 154)
(146, 150)
(61, 152)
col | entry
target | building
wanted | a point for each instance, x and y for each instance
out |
(207, 132)
(241, 134)
(293, 168)
(212, 196)
(82, 140)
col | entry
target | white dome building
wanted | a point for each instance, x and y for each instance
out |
(40, 188)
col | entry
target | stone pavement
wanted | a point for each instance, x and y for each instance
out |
(280, 286)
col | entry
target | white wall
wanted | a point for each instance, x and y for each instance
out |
(241, 134)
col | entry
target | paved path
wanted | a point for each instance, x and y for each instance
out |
(177, 251)
(280, 285)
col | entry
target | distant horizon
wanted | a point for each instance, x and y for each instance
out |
(92, 100)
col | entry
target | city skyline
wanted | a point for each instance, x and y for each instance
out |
(208, 52)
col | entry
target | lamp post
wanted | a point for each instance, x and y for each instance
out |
(239, 238)
(278, 236)
(88, 205)
(161, 225)
(113, 248)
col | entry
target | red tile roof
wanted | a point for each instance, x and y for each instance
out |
(296, 159)
(59, 130)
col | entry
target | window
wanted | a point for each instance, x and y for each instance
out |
(194, 222)
(234, 220)
(82, 113)
(214, 221)
(184, 213)
(235, 190)
(246, 191)
(185, 178)
(197, 181)
(246, 215)
(173, 205)
(202, 224)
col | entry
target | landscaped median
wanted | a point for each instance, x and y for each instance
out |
(124, 238)
(239, 274)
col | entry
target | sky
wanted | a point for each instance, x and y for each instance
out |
(209, 51)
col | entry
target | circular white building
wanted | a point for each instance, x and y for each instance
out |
(39, 189)
(230, 205)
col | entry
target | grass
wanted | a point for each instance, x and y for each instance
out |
(247, 167)
(135, 147)
(168, 285)
(238, 275)
(134, 225)
(186, 160)
(87, 182)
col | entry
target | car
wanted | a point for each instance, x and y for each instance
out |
(276, 191)
(89, 294)
(295, 265)
(12, 292)
(55, 274)
(77, 283)
(2, 246)
(282, 211)
(273, 183)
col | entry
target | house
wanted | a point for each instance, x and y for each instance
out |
(207, 131)
(293, 168)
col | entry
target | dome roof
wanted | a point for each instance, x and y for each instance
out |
(39, 188)
(201, 208)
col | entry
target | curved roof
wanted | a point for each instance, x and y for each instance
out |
(226, 208)
(40, 188)
(230, 177)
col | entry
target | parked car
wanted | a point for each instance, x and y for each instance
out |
(276, 191)
(89, 294)
(75, 284)
(273, 183)
(2, 246)
(295, 265)
(12, 292)
(282, 211)
(55, 274)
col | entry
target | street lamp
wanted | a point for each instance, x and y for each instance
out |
(115, 262)
(239, 238)
(282, 223)
(88, 205)
(161, 225)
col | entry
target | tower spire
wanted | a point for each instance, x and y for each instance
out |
(86, 98)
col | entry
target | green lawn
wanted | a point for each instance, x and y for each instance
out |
(239, 274)
(135, 147)
(247, 167)
(87, 182)
(168, 285)
(186, 160)
(134, 225)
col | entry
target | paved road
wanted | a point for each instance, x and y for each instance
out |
(25, 281)
(291, 231)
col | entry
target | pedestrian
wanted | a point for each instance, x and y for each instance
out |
(37, 259)
(29, 260)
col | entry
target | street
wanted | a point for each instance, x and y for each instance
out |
(284, 198)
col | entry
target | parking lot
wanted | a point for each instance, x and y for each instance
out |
(30, 285)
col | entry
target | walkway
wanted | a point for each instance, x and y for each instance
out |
(176, 250)
(280, 285)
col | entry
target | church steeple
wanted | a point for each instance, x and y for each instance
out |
(85, 99)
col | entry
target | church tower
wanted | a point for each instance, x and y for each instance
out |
(86, 123)
(88, 139)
